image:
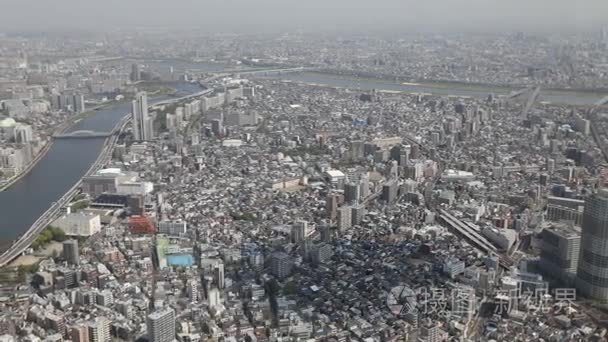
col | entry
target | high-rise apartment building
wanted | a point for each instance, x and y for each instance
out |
(345, 218)
(217, 127)
(135, 72)
(281, 265)
(218, 275)
(357, 213)
(559, 251)
(70, 252)
(99, 330)
(192, 290)
(161, 326)
(389, 191)
(357, 150)
(142, 124)
(298, 231)
(215, 297)
(79, 333)
(333, 201)
(364, 185)
(68, 101)
(592, 273)
(352, 192)
(104, 298)
(23, 133)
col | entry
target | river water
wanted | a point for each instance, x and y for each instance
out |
(63, 165)
(68, 160)
(443, 89)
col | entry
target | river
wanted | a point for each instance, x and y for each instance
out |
(570, 97)
(68, 160)
(65, 163)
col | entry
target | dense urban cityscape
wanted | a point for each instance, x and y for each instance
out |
(175, 185)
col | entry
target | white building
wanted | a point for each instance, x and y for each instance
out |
(335, 176)
(23, 133)
(457, 175)
(161, 326)
(214, 101)
(387, 142)
(215, 299)
(453, 267)
(134, 188)
(115, 181)
(12, 160)
(99, 329)
(232, 143)
(79, 224)
(104, 298)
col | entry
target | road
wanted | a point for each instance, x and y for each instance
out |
(60, 130)
(25, 240)
(201, 93)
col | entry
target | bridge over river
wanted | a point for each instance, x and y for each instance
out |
(82, 134)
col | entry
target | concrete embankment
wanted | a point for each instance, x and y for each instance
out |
(61, 129)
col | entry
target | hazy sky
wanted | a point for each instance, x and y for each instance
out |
(265, 15)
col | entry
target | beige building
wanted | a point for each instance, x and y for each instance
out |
(79, 224)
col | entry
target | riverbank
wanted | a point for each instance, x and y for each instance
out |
(64, 127)
(71, 122)
(439, 83)
(564, 97)
(45, 149)
(473, 86)
(25, 204)
(449, 83)
(67, 163)
(25, 240)
(390, 83)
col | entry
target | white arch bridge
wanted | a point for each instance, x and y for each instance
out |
(82, 134)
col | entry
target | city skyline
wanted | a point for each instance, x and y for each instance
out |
(336, 183)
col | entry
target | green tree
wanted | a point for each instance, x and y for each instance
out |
(290, 288)
(58, 234)
(48, 235)
(80, 205)
(24, 270)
